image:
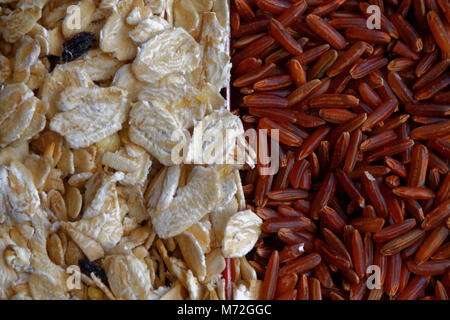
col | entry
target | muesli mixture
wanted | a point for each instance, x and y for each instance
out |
(95, 96)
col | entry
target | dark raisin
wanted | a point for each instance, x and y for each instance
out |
(76, 46)
(87, 267)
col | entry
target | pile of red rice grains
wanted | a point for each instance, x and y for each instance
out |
(364, 138)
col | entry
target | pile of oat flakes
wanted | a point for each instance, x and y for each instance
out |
(86, 172)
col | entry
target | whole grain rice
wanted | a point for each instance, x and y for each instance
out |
(374, 120)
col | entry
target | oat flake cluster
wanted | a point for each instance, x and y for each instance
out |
(86, 173)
